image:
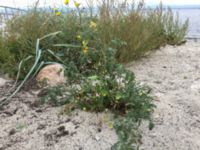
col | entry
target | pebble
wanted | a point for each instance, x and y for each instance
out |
(97, 138)
(12, 132)
(2, 82)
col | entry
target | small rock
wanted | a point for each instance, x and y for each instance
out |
(51, 75)
(12, 132)
(99, 129)
(75, 122)
(41, 126)
(97, 138)
(73, 133)
(68, 120)
(8, 113)
(2, 82)
(76, 127)
(38, 110)
(62, 131)
(158, 82)
(61, 128)
(165, 67)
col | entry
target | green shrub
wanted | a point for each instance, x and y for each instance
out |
(105, 85)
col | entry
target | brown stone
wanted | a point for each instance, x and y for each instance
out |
(51, 75)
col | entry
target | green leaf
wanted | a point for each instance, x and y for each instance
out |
(93, 77)
(67, 45)
(118, 96)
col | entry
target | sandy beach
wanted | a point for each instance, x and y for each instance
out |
(173, 73)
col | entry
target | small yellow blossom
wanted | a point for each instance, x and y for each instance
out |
(85, 50)
(93, 25)
(76, 4)
(66, 2)
(85, 47)
(78, 37)
(84, 109)
(58, 13)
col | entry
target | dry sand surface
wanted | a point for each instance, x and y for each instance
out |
(172, 72)
(174, 75)
(26, 126)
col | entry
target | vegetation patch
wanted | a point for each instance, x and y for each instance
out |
(90, 46)
(136, 30)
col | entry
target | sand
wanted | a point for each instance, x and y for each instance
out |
(25, 126)
(173, 73)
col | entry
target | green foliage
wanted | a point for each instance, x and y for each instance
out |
(90, 47)
(21, 34)
(114, 88)
(142, 30)
(55, 96)
(127, 130)
(105, 84)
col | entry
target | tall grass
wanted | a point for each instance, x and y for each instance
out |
(142, 29)
(137, 29)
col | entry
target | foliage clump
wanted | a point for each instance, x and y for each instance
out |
(90, 47)
(106, 85)
(140, 28)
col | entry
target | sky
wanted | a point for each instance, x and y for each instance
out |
(24, 3)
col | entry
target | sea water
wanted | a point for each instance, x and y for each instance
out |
(193, 14)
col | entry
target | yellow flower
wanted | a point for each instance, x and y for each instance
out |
(58, 13)
(93, 25)
(76, 4)
(85, 50)
(78, 37)
(84, 109)
(85, 47)
(66, 2)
